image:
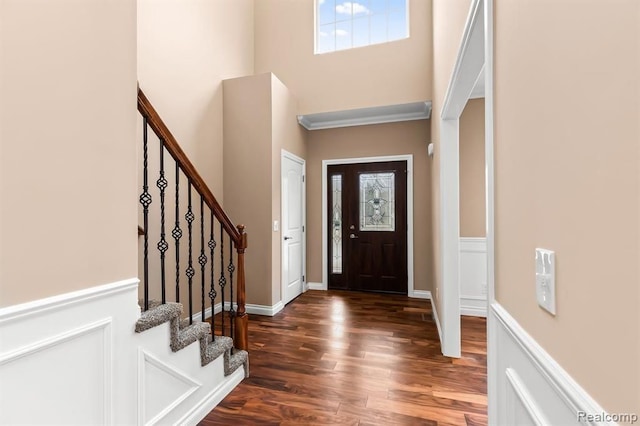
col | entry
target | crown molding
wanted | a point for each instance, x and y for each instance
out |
(365, 116)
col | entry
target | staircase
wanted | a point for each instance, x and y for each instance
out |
(192, 275)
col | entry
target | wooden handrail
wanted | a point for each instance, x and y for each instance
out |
(155, 122)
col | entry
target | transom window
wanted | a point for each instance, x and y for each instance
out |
(347, 24)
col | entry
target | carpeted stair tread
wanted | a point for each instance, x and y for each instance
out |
(181, 338)
(211, 350)
(235, 359)
(183, 334)
(158, 315)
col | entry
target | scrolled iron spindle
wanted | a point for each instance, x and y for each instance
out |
(222, 281)
(177, 233)
(162, 184)
(190, 272)
(145, 200)
(202, 260)
(212, 292)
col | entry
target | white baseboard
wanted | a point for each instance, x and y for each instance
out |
(209, 402)
(316, 286)
(548, 396)
(264, 309)
(473, 306)
(420, 294)
(249, 308)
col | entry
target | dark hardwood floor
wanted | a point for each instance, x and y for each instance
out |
(346, 358)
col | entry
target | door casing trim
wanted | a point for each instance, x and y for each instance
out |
(410, 230)
(286, 154)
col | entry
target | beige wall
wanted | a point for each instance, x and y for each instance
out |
(259, 121)
(67, 146)
(287, 134)
(247, 175)
(472, 179)
(385, 74)
(367, 141)
(185, 49)
(449, 17)
(567, 178)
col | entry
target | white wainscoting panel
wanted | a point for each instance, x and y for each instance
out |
(58, 358)
(473, 276)
(532, 388)
(75, 359)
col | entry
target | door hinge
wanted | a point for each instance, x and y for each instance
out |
(303, 278)
(303, 228)
(303, 178)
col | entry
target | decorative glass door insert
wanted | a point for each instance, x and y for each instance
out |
(377, 202)
(336, 223)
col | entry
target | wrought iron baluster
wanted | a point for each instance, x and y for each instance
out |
(231, 268)
(145, 200)
(222, 281)
(190, 272)
(212, 292)
(177, 233)
(162, 184)
(202, 259)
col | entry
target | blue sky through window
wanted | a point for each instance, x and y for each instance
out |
(346, 24)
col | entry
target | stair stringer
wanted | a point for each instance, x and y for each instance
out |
(173, 387)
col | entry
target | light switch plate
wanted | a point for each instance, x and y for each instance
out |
(546, 279)
(276, 226)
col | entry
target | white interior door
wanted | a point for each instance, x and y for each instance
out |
(292, 226)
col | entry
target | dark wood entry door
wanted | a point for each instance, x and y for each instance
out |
(367, 214)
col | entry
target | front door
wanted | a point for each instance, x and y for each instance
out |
(292, 226)
(368, 226)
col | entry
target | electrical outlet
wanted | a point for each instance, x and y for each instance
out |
(546, 280)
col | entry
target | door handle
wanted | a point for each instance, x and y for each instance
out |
(353, 236)
(288, 238)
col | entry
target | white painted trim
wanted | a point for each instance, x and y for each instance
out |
(208, 403)
(249, 308)
(450, 237)
(286, 154)
(366, 116)
(63, 301)
(52, 341)
(420, 294)
(492, 341)
(472, 304)
(207, 313)
(436, 318)
(316, 286)
(469, 63)
(145, 357)
(525, 398)
(574, 397)
(468, 66)
(410, 229)
(264, 310)
(470, 310)
(473, 244)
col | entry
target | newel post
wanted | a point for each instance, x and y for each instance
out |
(242, 319)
